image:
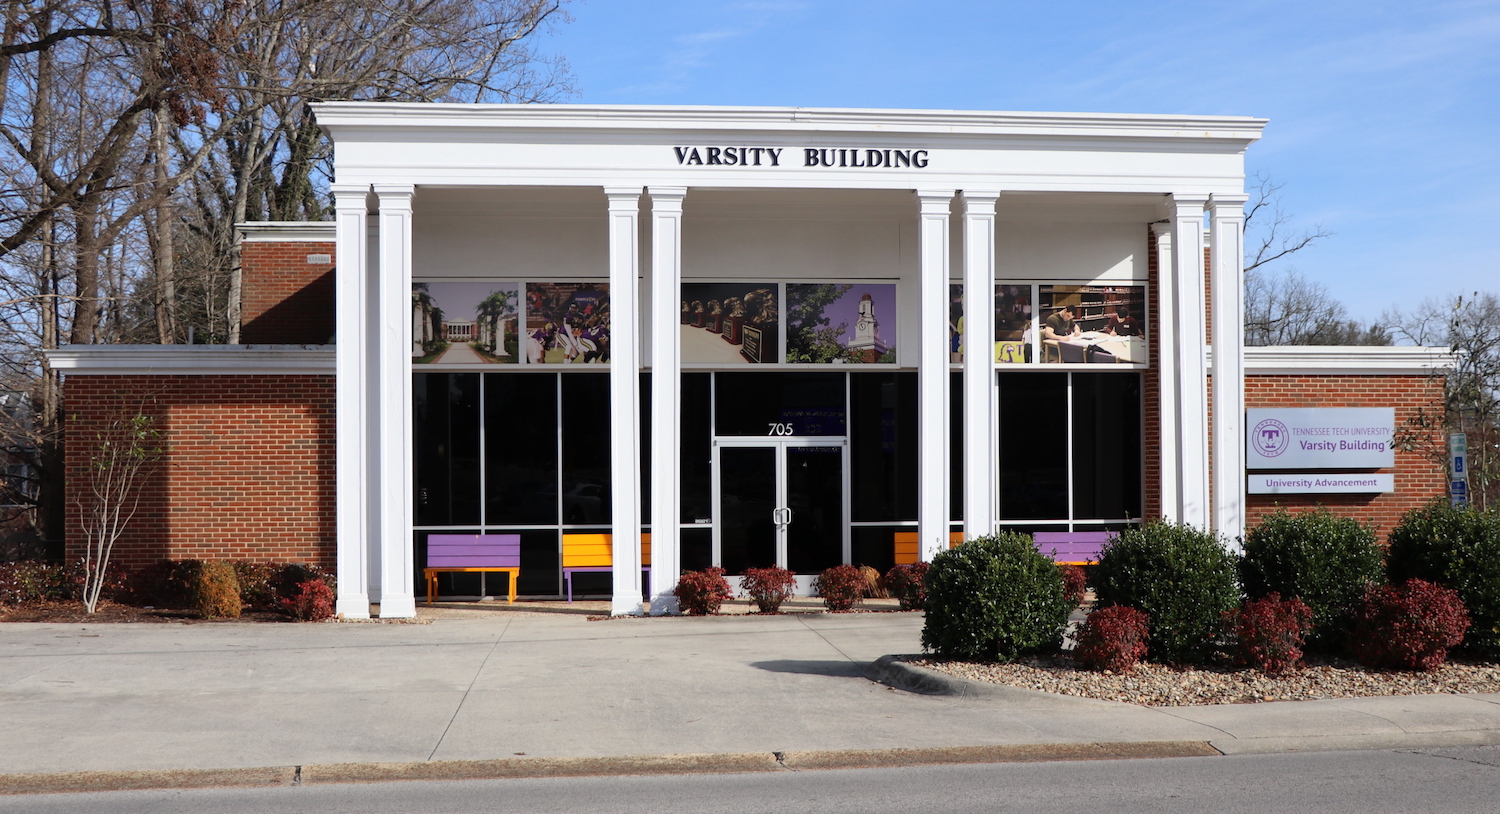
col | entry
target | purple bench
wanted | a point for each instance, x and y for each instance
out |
(1073, 547)
(467, 553)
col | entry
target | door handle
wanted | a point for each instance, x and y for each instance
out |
(781, 516)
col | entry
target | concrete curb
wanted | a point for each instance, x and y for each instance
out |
(512, 768)
(1352, 743)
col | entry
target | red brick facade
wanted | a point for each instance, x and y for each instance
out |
(249, 470)
(284, 298)
(1418, 480)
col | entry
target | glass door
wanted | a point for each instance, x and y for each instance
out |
(781, 502)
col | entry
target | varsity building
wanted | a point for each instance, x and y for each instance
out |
(704, 336)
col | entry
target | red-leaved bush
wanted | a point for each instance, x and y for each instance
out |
(769, 587)
(1075, 583)
(312, 603)
(906, 583)
(700, 593)
(1409, 628)
(1269, 632)
(840, 586)
(1112, 638)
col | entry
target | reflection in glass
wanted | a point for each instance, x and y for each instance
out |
(883, 446)
(585, 448)
(815, 496)
(520, 419)
(789, 403)
(1106, 446)
(747, 531)
(446, 448)
(1033, 446)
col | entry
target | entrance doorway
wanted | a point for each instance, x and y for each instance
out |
(781, 501)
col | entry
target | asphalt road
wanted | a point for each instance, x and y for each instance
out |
(1372, 782)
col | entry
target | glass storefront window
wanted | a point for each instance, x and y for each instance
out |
(779, 404)
(446, 429)
(1070, 447)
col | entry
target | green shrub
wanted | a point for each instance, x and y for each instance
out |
(1178, 575)
(1457, 549)
(214, 591)
(1325, 560)
(994, 598)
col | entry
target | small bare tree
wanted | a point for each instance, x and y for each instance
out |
(1282, 306)
(1470, 328)
(123, 454)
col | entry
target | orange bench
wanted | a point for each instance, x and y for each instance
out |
(595, 553)
(907, 552)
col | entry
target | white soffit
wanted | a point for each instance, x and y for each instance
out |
(1343, 360)
(193, 360)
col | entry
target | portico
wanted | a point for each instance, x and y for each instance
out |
(765, 425)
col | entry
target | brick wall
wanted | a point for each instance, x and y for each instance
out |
(1418, 480)
(285, 299)
(1151, 384)
(249, 472)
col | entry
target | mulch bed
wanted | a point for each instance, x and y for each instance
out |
(1155, 685)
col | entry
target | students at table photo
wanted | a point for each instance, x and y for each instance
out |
(1060, 326)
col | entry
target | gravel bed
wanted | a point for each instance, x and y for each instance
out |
(1153, 685)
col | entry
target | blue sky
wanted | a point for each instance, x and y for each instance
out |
(1384, 115)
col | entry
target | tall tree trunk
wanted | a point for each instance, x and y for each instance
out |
(166, 272)
(86, 270)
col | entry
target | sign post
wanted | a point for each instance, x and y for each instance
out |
(1458, 470)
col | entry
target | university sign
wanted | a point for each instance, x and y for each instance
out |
(1320, 438)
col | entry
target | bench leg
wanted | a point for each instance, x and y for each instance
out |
(513, 575)
(568, 578)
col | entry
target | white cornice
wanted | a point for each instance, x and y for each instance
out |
(793, 119)
(280, 231)
(1343, 360)
(193, 360)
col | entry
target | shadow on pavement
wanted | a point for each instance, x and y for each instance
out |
(819, 667)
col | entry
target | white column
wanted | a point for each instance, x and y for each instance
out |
(349, 400)
(625, 397)
(1164, 335)
(392, 453)
(1227, 226)
(1192, 358)
(979, 363)
(666, 401)
(932, 371)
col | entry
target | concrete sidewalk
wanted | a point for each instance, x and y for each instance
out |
(224, 696)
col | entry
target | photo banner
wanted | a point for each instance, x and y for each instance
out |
(730, 323)
(567, 323)
(841, 323)
(465, 323)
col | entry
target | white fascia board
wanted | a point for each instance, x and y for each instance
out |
(280, 231)
(193, 360)
(578, 145)
(1343, 360)
(699, 118)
